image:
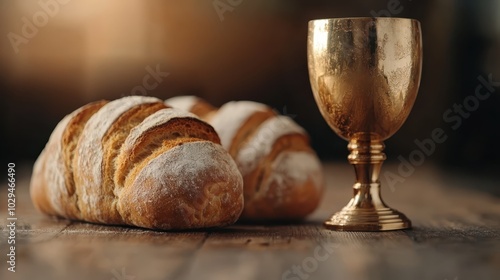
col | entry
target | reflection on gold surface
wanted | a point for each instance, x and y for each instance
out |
(364, 69)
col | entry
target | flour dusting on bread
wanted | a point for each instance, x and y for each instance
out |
(261, 143)
(182, 102)
(187, 185)
(231, 117)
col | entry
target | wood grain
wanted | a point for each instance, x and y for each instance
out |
(455, 236)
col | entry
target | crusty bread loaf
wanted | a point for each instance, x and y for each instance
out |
(282, 175)
(135, 161)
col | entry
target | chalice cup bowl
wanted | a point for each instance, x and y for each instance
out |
(365, 74)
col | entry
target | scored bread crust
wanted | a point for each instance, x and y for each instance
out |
(282, 175)
(58, 198)
(96, 199)
(193, 104)
(277, 183)
(113, 163)
(231, 117)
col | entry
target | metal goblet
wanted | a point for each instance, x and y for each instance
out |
(365, 74)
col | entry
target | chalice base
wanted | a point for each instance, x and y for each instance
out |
(367, 211)
(354, 218)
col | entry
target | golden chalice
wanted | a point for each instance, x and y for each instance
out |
(365, 74)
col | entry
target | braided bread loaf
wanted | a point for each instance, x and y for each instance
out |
(282, 174)
(135, 161)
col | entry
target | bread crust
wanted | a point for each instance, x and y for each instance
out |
(196, 190)
(53, 190)
(111, 162)
(193, 104)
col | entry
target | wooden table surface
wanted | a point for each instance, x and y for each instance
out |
(455, 236)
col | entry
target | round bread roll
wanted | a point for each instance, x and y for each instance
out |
(134, 161)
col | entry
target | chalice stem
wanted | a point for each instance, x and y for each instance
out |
(367, 158)
(367, 211)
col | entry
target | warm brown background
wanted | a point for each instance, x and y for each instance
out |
(100, 49)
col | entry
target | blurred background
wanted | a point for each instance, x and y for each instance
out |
(56, 55)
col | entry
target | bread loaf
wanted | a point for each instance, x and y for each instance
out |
(135, 161)
(282, 175)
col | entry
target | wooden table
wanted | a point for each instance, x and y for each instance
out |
(455, 236)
